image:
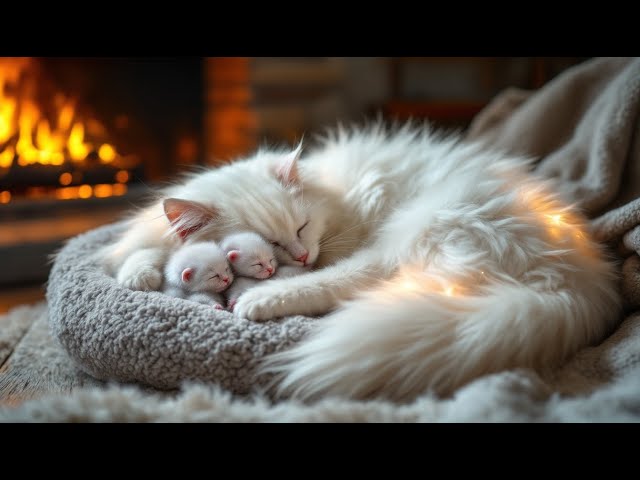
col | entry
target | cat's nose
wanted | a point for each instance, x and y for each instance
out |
(269, 269)
(303, 258)
(225, 279)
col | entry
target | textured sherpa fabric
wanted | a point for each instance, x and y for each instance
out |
(114, 333)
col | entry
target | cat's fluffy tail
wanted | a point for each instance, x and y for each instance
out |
(397, 342)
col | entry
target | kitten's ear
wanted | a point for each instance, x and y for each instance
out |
(287, 168)
(233, 255)
(186, 216)
(187, 275)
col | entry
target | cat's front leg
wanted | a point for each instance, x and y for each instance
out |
(313, 293)
(142, 270)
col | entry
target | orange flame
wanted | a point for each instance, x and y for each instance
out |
(52, 134)
(39, 141)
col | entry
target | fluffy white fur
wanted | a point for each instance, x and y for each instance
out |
(198, 272)
(442, 262)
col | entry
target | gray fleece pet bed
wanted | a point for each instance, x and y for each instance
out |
(114, 333)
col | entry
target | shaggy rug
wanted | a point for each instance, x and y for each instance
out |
(584, 390)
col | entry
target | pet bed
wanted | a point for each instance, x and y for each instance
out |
(114, 333)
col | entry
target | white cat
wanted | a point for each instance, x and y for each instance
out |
(442, 261)
(198, 272)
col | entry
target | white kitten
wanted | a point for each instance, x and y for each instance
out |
(198, 272)
(250, 255)
(442, 261)
(252, 260)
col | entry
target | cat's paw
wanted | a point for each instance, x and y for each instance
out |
(143, 279)
(264, 303)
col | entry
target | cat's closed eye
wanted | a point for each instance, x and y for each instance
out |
(300, 229)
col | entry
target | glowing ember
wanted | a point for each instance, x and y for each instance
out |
(122, 176)
(65, 178)
(107, 153)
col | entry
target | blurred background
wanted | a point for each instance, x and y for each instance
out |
(83, 140)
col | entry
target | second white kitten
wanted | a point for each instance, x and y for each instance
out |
(253, 260)
(198, 272)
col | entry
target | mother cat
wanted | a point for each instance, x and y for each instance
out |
(442, 261)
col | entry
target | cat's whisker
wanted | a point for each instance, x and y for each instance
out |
(344, 232)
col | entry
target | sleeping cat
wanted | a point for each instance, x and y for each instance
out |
(442, 261)
(252, 260)
(198, 272)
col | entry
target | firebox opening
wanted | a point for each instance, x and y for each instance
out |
(81, 128)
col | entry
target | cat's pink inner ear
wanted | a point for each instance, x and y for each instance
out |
(287, 169)
(187, 217)
(233, 255)
(187, 275)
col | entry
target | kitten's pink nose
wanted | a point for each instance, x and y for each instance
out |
(269, 270)
(303, 258)
(225, 279)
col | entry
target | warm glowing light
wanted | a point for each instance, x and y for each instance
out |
(29, 115)
(410, 285)
(448, 291)
(65, 178)
(78, 150)
(5, 196)
(7, 111)
(6, 157)
(65, 117)
(555, 219)
(57, 158)
(67, 193)
(119, 189)
(85, 191)
(122, 176)
(103, 190)
(107, 153)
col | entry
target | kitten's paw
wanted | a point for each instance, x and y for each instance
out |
(206, 299)
(264, 303)
(231, 304)
(144, 279)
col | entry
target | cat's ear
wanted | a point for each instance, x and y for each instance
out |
(233, 255)
(186, 216)
(187, 275)
(287, 167)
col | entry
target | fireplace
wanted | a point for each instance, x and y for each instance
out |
(82, 141)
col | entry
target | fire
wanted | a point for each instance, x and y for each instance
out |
(19, 115)
(56, 136)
